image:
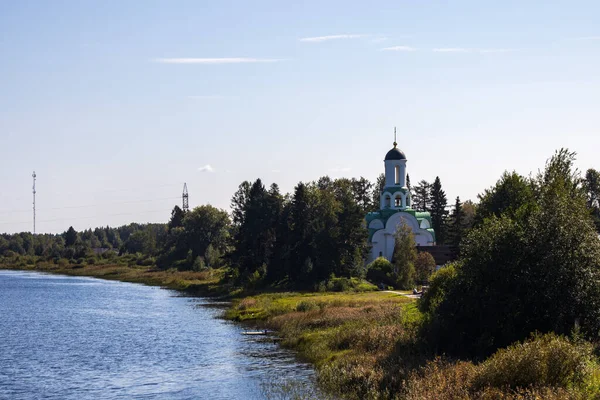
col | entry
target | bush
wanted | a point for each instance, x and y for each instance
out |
(439, 283)
(305, 305)
(547, 360)
(425, 266)
(199, 264)
(380, 271)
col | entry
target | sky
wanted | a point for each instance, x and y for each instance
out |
(115, 104)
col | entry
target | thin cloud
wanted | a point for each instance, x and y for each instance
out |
(206, 168)
(275, 171)
(229, 60)
(398, 48)
(318, 39)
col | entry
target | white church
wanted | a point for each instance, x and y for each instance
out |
(395, 209)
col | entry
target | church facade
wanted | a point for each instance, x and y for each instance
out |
(395, 209)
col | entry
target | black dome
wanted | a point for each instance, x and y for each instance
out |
(395, 154)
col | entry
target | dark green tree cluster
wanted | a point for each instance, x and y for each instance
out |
(304, 238)
(195, 240)
(532, 263)
(132, 238)
(592, 188)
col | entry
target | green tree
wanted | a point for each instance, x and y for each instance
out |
(421, 198)
(377, 190)
(511, 193)
(176, 218)
(203, 226)
(592, 188)
(424, 266)
(405, 255)
(537, 271)
(456, 226)
(70, 237)
(362, 189)
(438, 211)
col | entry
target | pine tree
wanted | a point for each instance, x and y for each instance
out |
(438, 211)
(422, 196)
(457, 226)
(377, 190)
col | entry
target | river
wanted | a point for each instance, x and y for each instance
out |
(83, 338)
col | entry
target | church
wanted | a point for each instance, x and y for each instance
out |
(395, 209)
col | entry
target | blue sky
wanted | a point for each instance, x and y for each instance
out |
(115, 104)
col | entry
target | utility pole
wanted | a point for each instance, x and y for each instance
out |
(185, 197)
(34, 176)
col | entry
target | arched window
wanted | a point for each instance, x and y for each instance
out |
(397, 169)
(398, 201)
(387, 200)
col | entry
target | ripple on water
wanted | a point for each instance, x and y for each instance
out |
(83, 338)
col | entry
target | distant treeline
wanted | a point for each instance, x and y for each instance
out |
(300, 238)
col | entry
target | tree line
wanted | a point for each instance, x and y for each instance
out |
(300, 239)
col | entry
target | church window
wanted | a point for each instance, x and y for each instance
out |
(387, 201)
(397, 169)
(397, 201)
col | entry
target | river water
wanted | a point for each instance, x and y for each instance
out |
(83, 338)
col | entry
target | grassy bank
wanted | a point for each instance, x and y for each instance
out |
(367, 346)
(202, 283)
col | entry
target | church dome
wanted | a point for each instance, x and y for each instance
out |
(395, 154)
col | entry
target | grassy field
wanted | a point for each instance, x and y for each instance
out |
(351, 338)
(367, 346)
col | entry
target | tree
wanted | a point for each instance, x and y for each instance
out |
(592, 188)
(424, 266)
(438, 211)
(456, 226)
(510, 194)
(377, 190)
(203, 226)
(362, 189)
(404, 257)
(70, 237)
(527, 271)
(141, 241)
(176, 218)
(422, 196)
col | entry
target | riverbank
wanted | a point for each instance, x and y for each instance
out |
(369, 345)
(203, 283)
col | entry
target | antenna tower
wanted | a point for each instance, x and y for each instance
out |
(34, 176)
(185, 197)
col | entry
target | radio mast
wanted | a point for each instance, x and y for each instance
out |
(185, 197)
(34, 176)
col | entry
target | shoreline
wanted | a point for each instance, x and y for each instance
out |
(320, 327)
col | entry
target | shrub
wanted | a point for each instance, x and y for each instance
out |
(424, 265)
(199, 264)
(379, 271)
(305, 305)
(547, 360)
(439, 283)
